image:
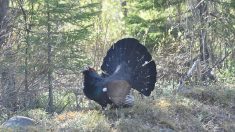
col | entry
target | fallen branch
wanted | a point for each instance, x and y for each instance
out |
(189, 74)
(217, 63)
(206, 72)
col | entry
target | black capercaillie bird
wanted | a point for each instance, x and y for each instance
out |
(128, 64)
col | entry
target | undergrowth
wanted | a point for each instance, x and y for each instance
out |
(199, 108)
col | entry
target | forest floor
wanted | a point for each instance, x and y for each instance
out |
(207, 108)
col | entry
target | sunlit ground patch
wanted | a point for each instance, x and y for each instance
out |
(163, 103)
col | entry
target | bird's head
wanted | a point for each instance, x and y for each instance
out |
(88, 69)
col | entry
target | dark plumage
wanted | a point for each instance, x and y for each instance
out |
(127, 65)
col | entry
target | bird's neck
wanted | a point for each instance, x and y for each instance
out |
(92, 83)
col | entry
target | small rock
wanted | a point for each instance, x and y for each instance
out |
(166, 130)
(18, 121)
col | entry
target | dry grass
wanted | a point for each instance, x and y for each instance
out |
(198, 109)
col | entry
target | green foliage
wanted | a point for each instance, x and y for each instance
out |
(65, 26)
(63, 101)
(70, 24)
(147, 21)
(38, 114)
(227, 75)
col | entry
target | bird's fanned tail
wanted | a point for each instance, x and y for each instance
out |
(131, 61)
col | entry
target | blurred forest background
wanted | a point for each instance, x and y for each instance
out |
(44, 44)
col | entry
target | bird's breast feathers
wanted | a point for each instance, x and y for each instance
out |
(117, 90)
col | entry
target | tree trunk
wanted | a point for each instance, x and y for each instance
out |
(50, 108)
(204, 52)
(26, 95)
(9, 93)
(124, 7)
(4, 5)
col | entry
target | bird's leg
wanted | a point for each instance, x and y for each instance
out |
(153, 98)
(104, 108)
(116, 112)
(142, 96)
